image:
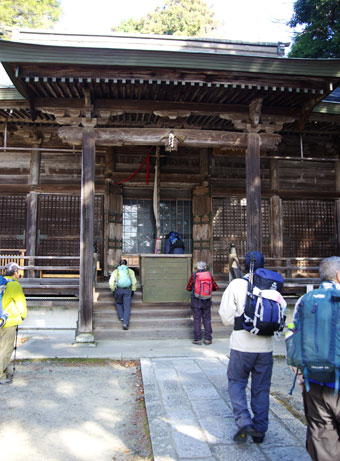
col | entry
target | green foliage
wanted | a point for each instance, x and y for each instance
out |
(33, 14)
(176, 17)
(321, 36)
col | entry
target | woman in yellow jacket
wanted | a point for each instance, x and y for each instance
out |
(14, 303)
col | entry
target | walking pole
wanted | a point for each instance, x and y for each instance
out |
(15, 349)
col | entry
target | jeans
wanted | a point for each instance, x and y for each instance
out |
(123, 304)
(259, 366)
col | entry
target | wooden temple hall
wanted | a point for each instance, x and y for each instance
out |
(107, 143)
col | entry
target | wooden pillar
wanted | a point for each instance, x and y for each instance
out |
(32, 209)
(253, 188)
(157, 201)
(86, 282)
(276, 212)
(201, 233)
(115, 228)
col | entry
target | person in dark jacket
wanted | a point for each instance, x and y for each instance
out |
(201, 307)
(174, 244)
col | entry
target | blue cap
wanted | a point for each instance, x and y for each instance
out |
(258, 260)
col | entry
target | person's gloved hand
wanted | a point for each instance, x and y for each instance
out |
(132, 293)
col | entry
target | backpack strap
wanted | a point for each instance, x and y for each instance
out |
(294, 382)
(337, 378)
(306, 378)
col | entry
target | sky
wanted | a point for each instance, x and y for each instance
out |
(246, 20)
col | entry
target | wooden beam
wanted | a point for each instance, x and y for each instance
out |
(86, 281)
(158, 136)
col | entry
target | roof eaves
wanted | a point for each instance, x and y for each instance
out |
(13, 52)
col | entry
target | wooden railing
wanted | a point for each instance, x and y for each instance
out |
(27, 262)
(297, 272)
(10, 255)
(48, 278)
(46, 270)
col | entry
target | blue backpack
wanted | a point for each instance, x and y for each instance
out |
(314, 346)
(264, 313)
(3, 315)
(123, 277)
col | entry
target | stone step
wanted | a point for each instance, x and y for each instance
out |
(156, 333)
(145, 313)
(101, 296)
(150, 323)
(149, 320)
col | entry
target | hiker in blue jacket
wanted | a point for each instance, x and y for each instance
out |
(321, 405)
(123, 284)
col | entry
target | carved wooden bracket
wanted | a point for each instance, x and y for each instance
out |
(66, 116)
(172, 115)
(88, 121)
(269, 123)
(255, 108)
(307, 110)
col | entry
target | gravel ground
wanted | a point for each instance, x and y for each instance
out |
(70, 410)
(82, 410)
(282, 381)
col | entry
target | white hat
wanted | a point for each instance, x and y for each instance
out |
(12, 267)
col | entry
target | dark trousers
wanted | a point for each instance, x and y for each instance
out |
(322, 410)
(241, 366)
(123, 304)
(202, 315)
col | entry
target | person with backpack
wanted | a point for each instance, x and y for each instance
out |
(174, 244)
(251, 353)
(201, 284)
(123, 284)
(14, 305)
(313, 347)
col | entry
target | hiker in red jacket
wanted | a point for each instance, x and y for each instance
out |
(201, 284)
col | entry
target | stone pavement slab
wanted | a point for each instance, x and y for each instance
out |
(190, 416)
(187, 401)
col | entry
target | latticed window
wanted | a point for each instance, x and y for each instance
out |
(139, 227)
(309, 228)
(59, 225)
(230, 226)
(12, 221)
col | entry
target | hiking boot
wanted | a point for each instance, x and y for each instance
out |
(5, 381)
(197, 342)
(258, 439)
(125, 327)
(207, 342)
(241, 434)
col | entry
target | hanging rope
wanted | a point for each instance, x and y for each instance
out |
(145, 160)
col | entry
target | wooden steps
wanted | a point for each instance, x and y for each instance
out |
(149, 320)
